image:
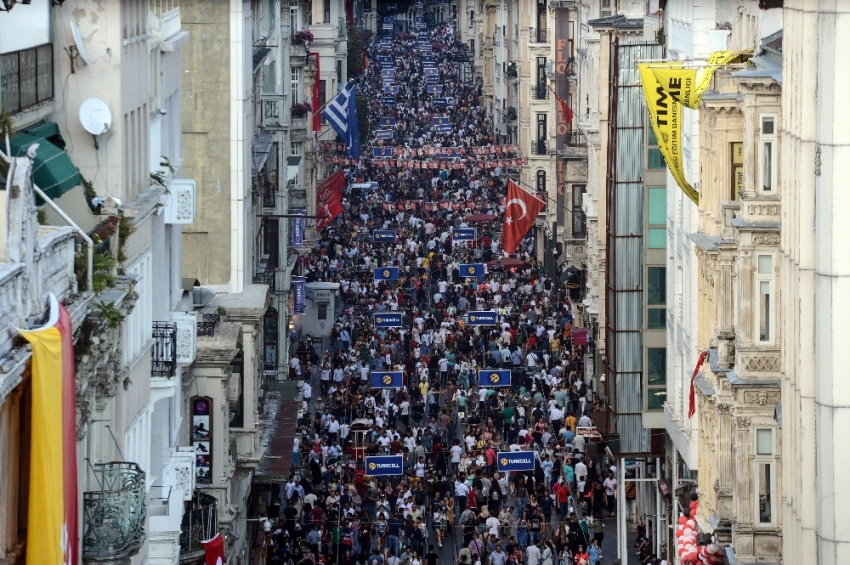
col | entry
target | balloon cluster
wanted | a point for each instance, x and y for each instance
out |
(686, 540)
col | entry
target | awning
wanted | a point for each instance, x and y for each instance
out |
(293, 165)
(52, 169)
(263, 142)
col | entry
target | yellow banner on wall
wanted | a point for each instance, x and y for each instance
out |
(665, 114)
(682, 84)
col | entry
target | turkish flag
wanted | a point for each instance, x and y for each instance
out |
(521, 209)
(214, 550)
(692, 404)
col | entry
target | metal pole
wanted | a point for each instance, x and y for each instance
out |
(659, 516)
(622, 550)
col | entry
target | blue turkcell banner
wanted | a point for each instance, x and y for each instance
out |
(384, 134)
(463, 234)
(385, 59)
(387, 122)
(384, 236)
(299, 225)
(444, 129)
(472, 270)
(388, 100)
(440, 102)
(382, 152)
(389, 19)
(426, 58)
(391, 89)
(494, 378)
(508, 461)
(441, 120)
(386, 273)
(481, 318)
(387, 379)
(430, 71)
(388, 74)
(388, 320)
(434, 89)
(432, 79)
(384, 465)
(299, 294)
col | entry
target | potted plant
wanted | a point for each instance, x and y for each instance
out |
(303, 37)
(511, 113)
(300, 109)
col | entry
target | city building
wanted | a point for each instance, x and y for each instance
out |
(104, 111)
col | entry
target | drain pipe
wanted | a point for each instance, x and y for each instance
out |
(86, 238)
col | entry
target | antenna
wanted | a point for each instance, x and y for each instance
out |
(78, 49)
(95, 118)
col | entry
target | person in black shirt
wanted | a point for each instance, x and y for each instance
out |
(431, 558)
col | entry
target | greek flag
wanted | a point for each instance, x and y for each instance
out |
(341, 113)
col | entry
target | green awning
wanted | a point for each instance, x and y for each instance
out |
(52, 169)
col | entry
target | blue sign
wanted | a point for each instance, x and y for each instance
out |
(388, 73)
(382, 152)
(434, 89)
(391, 90)
(463, 234)
(385, 58)
(441, 120)
(388, 320)
(389, 19)
(387, 379)
(515, 461)
(472, 270)
(387, 26)
(426, 58)
(298, 227)
(444, 129)
(386, 273)
(432, 78)
(494, 378)
(440, 102)
(384, 236)
(431, 71)
(384, 465)
(299, 294)
(387, 122)
(384, 134)
(481, 318)
(388, 100)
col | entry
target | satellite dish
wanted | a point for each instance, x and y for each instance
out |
(95, 118)
(78, 40)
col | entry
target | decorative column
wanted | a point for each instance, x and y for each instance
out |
(743, 473)
(725, 466)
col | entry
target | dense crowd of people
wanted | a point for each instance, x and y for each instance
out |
(451, 503)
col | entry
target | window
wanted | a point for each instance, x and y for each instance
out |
(323, 94)
(541, 181)
(737, 149)
(656, 294)
(323, 311)
(540, 149)
(656, 238)
(765, 298)
(605, 8)
(579, 221)
(293, 20)
(326, 11)
(138, 325)
(656, 378)
(27, 77)
(656, 216)
(767, 154)
(765, 475)
(339, 73)
(294, 84)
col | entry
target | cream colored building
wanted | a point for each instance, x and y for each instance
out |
(813, 307)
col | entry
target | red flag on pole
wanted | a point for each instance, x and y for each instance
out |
(692, 404)
(521, 209)
(317, 99)
(568, 113)
(214, 550)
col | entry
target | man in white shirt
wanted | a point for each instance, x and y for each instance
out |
(585, 421)
(455, 451)
(533, 555)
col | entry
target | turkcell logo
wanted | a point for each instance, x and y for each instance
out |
(481, 318)
(472, 270)
(386, 465)
(494, 378)
(388, 320)
(387, 379)
(386, 273)
(515, 461)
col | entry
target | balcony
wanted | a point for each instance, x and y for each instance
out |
(114, 517)
(164, 350)
(298, 197)
(206, 327)
(200, 522)
(267, 278)
(570, 69)
(27, 78)
(579, 224)
(539, 92)
(537, 35)
(539, 148)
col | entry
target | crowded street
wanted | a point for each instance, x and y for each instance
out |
(438, 177)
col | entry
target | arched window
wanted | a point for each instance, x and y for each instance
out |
(541, 181)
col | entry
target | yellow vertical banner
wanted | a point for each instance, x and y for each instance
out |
(665, 115)
(682, 84)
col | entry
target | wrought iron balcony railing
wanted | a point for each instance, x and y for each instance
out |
(27, 77)
(537, 35)
(579, 223)
(206, 327)
(200, 522)
(576, 138)
(114, 517)
(539, 92)
(164, 350)
(539, 148)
